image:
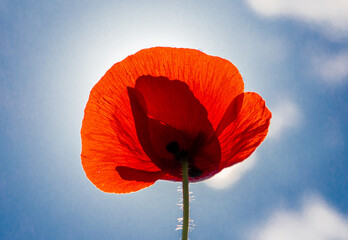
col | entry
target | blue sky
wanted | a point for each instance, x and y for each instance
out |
(293, 53)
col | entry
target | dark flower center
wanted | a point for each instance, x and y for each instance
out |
(173, 148)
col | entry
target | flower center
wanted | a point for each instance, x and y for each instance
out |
(182, 155)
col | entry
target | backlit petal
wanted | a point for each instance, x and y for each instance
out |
(246, 132)
(231, 114)
(166, 111)
(173, 103)
(131, 174)
(109, 138)
(214, 81)
(103, 174)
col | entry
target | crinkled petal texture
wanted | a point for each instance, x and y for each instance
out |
(161, 96)
(247, 129)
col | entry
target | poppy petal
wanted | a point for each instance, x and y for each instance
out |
(153, 134)
(207, 159)
(174, 104)
(246, 132)
(107, 178)
(131, 174)
(166, 111)
(109, 138)
(230, 114)
(214, 81)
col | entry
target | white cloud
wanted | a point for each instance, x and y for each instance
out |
(315, 221)
(330, 14)
(332, 68)
(285, 115)
(229, 176)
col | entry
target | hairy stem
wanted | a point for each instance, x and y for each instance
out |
(185, 193)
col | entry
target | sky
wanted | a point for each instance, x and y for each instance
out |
(293, 53)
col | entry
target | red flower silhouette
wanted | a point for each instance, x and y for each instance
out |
(160, 104)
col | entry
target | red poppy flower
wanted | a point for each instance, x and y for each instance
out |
(161, 104)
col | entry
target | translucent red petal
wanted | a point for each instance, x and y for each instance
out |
(246, 132)
(115, 155)
(166, 111)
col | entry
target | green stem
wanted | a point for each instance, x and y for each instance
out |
(185, 193)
